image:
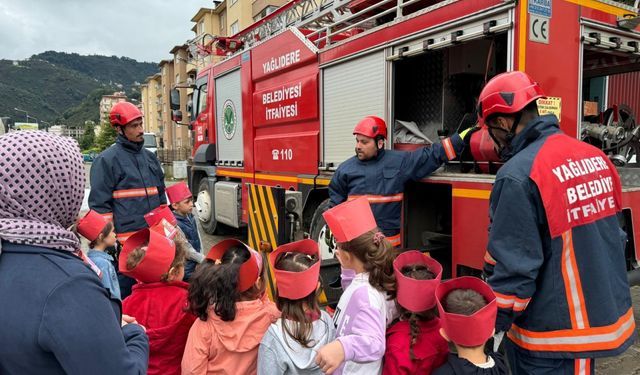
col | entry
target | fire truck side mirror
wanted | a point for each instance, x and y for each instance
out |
(175, 99)
(176, 115)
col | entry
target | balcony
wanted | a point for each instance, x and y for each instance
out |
(260, 5)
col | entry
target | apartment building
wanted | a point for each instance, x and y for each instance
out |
(167, 127)
(107, 102)
(151, 105)
(182, 80)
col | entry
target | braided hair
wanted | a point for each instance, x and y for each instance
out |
(416, 271)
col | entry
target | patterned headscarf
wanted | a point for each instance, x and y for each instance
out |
(41, 189)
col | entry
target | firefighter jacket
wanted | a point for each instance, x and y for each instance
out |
(555, 257)
(126, 183)
(382, 180)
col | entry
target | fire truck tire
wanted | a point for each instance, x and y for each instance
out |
(318, 232)
(205, 208)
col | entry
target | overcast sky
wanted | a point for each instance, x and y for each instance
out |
(145, 30)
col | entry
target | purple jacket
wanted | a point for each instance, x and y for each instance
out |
(361, 318)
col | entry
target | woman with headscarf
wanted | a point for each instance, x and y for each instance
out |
(55, 315)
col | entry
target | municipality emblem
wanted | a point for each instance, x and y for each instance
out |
(229, 122)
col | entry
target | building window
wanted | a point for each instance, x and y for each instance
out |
(223, 23)
(200, 27)
(235, 28)
(265, 12)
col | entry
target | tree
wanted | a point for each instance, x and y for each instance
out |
(88, 138)
(106, 137)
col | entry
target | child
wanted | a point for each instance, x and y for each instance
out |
(468, 310)
(290, 345)
(181, 202)
(163, 215)
(159, 300)
(365, 308)
(101, 235)
(414, 344)
(227, 294)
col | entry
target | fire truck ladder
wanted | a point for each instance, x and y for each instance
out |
(306, 14)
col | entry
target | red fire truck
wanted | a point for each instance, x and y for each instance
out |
(273, 120)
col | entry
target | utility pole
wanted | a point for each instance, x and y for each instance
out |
(22, 110)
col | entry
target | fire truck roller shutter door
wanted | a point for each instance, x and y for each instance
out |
(352, 90)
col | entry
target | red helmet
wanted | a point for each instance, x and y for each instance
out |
(508, 93)
(371, 126)
(123, 113)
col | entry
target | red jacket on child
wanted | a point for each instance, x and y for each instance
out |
(430, 350)
(159, 307)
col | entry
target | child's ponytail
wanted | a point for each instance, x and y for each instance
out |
(419, 272)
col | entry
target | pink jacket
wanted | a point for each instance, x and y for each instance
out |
(219, 347)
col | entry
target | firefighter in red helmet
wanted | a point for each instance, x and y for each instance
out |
(555, 257)
(380, 175)
(126, 179)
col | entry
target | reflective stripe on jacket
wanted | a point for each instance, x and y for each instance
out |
(126, 183)
(555, 256)
(382, 179)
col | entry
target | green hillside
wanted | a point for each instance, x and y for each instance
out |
(66, 88)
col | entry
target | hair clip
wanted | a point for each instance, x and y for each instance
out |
(378, 237)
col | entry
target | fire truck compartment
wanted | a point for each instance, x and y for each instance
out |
(229, 119)
(438, 89)
(606, 123)
(427, 221)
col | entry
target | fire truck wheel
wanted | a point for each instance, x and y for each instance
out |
(320, 233)
(205, 209)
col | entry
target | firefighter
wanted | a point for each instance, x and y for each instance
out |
(126, 179)
(555, 257)
(380, 175)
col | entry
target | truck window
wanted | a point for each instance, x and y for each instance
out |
(150, 140)
(200, 95)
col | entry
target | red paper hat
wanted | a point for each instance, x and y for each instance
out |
(156, 261)
(250, 270)
(296, 285)
(468, 330)
(165, 229)
(350, 219)
(416, 295)
(178, 192)
(91, 225)
(161, 212)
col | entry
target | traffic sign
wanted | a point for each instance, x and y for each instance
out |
(539, 29)
(540, 7)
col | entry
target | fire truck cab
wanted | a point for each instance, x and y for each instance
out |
(274, 119)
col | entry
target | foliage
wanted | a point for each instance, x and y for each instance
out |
(109, 69)
(64, 88)
(88, 138)
(106, 137)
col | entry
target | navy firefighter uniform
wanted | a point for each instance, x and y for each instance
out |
(555, 257)
(382, 178)
(126, 183)
(126, 180)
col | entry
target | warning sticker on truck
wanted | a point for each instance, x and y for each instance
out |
(550, 105)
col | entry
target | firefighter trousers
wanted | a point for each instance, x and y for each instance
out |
(521, 364)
